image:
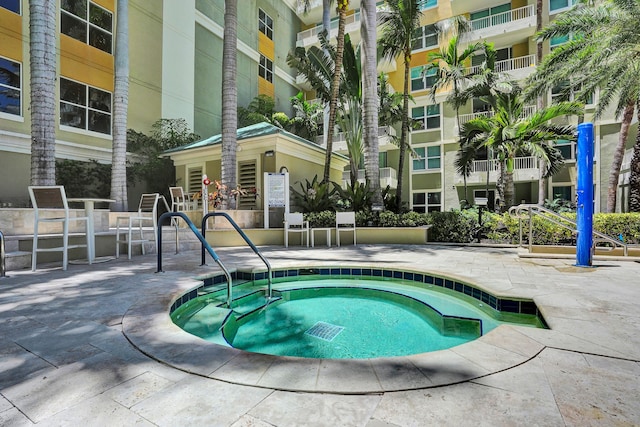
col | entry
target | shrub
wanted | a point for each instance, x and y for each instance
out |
(313, 196)
(321, 219)
(452, 226)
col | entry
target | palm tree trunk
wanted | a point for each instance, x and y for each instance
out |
(618, 156)
(500, 185)
(229, 100)
(403, 133)
(335, 87)
(42, 50)
(370, 102)
(634, 175)
(542, 165)
(120, 105)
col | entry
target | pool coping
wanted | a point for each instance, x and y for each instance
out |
(148, 326)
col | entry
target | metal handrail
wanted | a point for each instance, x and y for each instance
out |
(553, 217)
(205, 245)
(244, 237)
(2, 256)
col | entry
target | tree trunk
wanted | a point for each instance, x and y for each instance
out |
(634, 175)
(120, 105)
(500, 186)
(542, 165)
(229, 102)
(618, 156)
(335, 87)
(509, 191)
(42, 57)
(404, 132)
(370, 102)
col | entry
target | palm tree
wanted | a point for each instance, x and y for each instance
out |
(602, 55)
(370, 101)
(451, 67)
(509, 134)
(229, 99)
(317, 65)
(42, 59)
(307, 118)
(343, 7)
(398, 24)
(120, 104)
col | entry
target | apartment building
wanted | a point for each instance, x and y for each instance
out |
(175, 72)
(431, 176)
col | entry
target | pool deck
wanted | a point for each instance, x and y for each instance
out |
(95, 345)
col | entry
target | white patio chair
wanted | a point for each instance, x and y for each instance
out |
(54, 199)
(345, 221)
(179, 201)
(295, 223)
(145, 219)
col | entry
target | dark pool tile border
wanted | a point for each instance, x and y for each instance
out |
(508, 305)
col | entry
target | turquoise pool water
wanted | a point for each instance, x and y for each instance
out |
(343, 318)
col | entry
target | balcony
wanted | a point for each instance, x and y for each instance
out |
(527, 111)
(351, 26)
(517, 68)
(504, 28)
(385, 136)
(388, 176)
(525, 169)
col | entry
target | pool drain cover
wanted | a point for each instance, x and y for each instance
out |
(324, 331)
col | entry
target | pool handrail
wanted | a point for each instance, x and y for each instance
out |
(244, 237)
(561, 221)
(205, 245)
(2, 257)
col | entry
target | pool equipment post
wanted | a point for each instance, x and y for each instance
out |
(584, 195)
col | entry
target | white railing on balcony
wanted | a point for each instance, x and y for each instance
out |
(388, 176)
(529, 162)
(383, 131)
(527, 111)
(313, 32)
(507, 65)
(350, 19)
(503, 18)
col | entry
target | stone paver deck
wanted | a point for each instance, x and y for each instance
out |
(94, 345)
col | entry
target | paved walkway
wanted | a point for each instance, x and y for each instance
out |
(65, 359)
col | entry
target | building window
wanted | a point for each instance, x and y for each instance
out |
(421, 80)
(12, 5)
(428, 116)
(85, 107)
(563, 192)
(265, 24)
(265, 69)
(426, 4)
(427, 202)
(425, 37)
(87, 22)
(567, 149)
(428, 158)
(557, 41)
(10, 84)
(556, 6)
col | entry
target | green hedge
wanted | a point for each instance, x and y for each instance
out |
(462, 226)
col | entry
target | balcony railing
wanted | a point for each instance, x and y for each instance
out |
(340, 139)
(388, 176)
(508, 64)
(530, 162)
(527, 111)
(509, 16)
(313, 32)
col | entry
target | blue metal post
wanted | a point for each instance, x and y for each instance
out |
(584, 195)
